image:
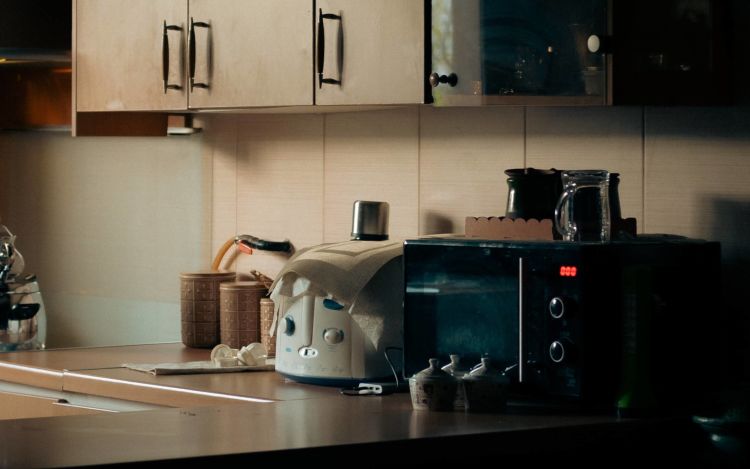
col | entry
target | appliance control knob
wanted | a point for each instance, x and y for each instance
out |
(333, 336)
(559, 306)
(557, 351)
(287, 325)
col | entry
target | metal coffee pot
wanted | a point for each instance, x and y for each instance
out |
(532, 193)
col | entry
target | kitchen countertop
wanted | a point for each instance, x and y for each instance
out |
(260, 417)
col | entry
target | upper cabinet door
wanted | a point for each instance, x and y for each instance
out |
(519, 52)
(247, 53)
(369, 52)
(123, 50)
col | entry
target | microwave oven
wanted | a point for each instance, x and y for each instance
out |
(632, 325)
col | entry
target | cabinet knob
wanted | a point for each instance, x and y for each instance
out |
(436, 79)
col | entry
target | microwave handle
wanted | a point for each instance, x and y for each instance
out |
(520, 320)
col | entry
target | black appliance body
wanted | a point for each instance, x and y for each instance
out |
(632, 326)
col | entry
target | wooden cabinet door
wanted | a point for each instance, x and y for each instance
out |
(252, 53)
(381, 58)
(119, 55)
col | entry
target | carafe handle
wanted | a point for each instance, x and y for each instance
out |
(567, 231)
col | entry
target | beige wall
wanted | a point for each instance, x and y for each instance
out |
(132, 213)
(107, 224)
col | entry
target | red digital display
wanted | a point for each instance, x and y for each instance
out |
(568, 271)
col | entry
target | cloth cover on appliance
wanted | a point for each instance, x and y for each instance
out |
(343, 272)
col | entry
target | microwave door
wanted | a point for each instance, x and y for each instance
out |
(461, 300)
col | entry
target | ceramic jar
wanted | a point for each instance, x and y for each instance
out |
(199, 307)
(456, 369)
(433, 388)
(486, 388)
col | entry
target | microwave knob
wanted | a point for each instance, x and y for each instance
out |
(287, 325)
(558, 307)
(557, 351)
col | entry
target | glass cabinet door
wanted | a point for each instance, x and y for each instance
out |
(518, 52)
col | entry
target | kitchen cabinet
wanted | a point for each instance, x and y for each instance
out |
(671, 52)
(182, 55)
(578, 52)
(175, 55)
(518, 52)
(251, 53)
(119, 55)
(369, 52)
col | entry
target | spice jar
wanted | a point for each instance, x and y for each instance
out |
(432, 388)
(457, 371)
(486, 388)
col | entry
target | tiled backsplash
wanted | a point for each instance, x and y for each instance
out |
(297, 176)
(113, 221)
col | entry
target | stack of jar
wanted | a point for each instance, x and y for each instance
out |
(453, 387)
(217, 309)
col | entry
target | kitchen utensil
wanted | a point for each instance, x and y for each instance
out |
(583, 212)
(199, 307)
(532, 193)
(246, 243)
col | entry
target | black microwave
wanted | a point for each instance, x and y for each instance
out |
(629, 325)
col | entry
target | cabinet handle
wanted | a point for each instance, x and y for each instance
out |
(191, 53)
(322, 49)
(435, 79)
(165, 56)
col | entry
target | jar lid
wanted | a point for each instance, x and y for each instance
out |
(433, 373)
(455, 368)
(245, 285)
(486, 371)
(208, 274)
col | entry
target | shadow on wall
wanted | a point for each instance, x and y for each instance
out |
(435, 223)
(730, 225)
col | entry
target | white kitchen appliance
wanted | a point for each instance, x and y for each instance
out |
(339, 307)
